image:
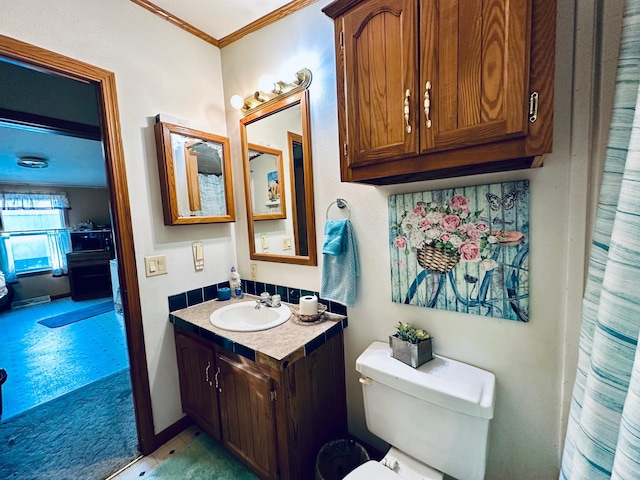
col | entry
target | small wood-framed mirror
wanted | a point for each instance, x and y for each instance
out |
(282, 126)
(267, 192)
(195, 175)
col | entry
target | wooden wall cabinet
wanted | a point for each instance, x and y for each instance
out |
(273, 415)
(429, 89)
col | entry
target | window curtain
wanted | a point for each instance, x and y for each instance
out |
(59, 245)
(7, 266)
(34, 201)
(603, 431)
(212, 195)
(59, 240)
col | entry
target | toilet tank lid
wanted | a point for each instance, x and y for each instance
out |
(442, 381)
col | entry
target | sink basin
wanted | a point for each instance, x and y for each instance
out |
(244, 317)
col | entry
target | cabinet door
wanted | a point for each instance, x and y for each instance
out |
(247, 413)
(474, 62)
(380, 54)
(197, 369)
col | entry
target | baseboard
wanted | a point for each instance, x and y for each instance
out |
(172, 430)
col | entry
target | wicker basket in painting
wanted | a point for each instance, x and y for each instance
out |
(435, 260)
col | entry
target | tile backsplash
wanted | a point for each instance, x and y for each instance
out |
(288, 294)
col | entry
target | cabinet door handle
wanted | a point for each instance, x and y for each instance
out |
(216, 380)
(407, 94)
(427, 103)
(206, 373)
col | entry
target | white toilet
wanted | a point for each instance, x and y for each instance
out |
(435, 417)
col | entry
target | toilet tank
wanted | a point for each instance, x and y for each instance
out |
(438, 413)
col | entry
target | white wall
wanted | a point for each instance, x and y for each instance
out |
(533, 362)
(158, 68)
(526, 358)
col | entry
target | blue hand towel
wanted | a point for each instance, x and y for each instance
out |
(334, 237)
(339, 272)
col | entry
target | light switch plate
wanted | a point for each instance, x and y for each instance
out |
(286, 243)
(254, 271)
(198, 255)
(155, 265)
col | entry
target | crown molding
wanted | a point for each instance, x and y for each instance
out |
(178, 22)
(262, 22)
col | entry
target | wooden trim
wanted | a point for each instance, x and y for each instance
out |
(173, 430)
(178, 22)
(280, 168)
(262, 22)
(40, 123)
(291, 139)
(104, 80)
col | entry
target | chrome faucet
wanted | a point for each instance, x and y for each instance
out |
(268, 300)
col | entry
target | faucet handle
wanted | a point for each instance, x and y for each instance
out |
(275, 300)
(265, 295)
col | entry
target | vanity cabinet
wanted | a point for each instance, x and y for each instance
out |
(247, 399)
(197, 369)
(428, 89)
(274, 415)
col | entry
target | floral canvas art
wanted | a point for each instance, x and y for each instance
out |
(463, 249)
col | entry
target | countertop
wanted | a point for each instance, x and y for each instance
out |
(276, 347)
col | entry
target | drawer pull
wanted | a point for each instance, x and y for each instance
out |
(216, 379)
(427, 103)
(533, 107)
(365, 380)
(407, 95)
(206, 373)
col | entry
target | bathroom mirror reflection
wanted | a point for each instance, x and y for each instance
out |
(195, 175)
(267, 192)
(281, 231)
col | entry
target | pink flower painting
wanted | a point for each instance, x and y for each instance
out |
(462, 249)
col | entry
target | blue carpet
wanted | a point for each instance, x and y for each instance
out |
(77, 315)
(86, 434)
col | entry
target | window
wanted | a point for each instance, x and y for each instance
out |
(30, 244)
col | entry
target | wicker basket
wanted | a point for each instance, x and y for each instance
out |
(435, 260)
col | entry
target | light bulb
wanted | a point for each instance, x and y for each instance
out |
(266, 83)
(236, 101)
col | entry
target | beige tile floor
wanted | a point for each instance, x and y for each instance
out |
(144, 465)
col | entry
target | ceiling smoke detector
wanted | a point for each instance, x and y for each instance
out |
(33, 162)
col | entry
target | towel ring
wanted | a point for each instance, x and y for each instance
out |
(340, 203)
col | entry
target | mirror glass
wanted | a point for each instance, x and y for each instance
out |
(195, 175)
(276, 148)
(267, 194)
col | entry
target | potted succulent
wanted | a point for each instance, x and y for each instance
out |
(411, 345)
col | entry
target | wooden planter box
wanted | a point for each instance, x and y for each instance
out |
(414, 354)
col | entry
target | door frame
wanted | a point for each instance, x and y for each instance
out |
(51, 62)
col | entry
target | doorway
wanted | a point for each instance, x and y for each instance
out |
(46, 61)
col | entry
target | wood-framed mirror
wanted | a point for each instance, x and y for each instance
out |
(282, 126)
(267, 173)
(195, 175)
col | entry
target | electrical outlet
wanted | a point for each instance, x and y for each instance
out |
(286, 243)
(254, 271)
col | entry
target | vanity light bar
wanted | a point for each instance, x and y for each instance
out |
(261, 99)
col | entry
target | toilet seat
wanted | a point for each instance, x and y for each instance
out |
(406, 468)
(372, 470)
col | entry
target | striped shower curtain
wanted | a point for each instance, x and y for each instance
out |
(603, 432)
